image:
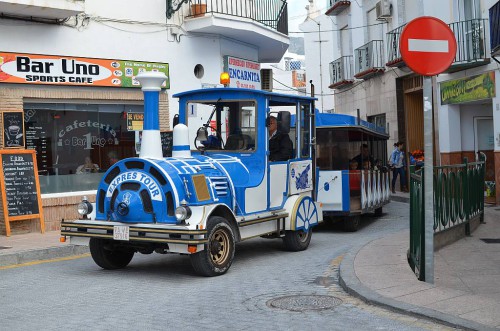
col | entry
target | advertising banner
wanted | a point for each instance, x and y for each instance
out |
(467, 89)
(243, 73)
(20, 68)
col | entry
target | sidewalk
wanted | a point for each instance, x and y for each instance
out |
(24, 248)
(466, 289)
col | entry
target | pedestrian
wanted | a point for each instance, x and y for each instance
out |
(397, 162)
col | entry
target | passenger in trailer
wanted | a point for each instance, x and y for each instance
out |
(364, 155)
(280, 144)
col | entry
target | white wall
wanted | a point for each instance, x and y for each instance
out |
(98, 37)
(316, 70)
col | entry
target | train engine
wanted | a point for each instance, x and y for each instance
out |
(206, 197)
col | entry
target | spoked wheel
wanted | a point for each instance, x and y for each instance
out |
(218, 254)
(108, 257)
(304, 215)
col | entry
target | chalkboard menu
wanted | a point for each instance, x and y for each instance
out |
(167, 143)
(13, 129)
(20, 186)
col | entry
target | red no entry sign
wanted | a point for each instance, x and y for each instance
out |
(427, 45)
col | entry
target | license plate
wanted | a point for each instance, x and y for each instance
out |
(121, 232)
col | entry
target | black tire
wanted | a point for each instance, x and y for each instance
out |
(107, 258)
(378, 212)
(351, 223)
(297, 240)
(218, 254)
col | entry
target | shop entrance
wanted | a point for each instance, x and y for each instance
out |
(414, 115)
(484, 142)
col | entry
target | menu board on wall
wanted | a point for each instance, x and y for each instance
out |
(13, 129)
(20, 187)
(36, 139)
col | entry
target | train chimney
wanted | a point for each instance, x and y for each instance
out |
(151, 82)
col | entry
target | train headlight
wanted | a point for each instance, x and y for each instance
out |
(84, 207)
(182, 213)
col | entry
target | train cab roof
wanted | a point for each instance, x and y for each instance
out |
(228, 93)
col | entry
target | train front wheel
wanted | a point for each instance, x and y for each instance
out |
(108, 257)
(218, 254)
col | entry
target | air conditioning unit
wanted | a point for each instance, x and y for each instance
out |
(383, 9)
(266, 79)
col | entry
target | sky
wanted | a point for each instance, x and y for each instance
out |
(297, 13)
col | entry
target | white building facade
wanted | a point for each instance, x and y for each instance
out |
(368, 73)
(69, 67)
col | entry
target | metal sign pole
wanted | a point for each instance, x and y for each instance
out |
(428, 181)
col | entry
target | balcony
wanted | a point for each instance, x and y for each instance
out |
(495, 29)
(368, 60)
(336, 7)
(46, 9)
(263, 23)
(394, 58)
(471, 44)
(341, 72)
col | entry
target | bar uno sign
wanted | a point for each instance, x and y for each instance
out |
(67, 70)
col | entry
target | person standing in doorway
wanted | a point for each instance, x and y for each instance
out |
(397, 163)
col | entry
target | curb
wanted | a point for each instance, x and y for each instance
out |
(42, 254)
(351, 284)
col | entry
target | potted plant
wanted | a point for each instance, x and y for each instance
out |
(198, 10)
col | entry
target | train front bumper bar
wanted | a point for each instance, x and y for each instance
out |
(135, 232)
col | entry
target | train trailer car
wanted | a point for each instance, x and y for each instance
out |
(353, 173)
(221, 186)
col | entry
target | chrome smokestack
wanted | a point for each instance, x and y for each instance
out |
(151, 82)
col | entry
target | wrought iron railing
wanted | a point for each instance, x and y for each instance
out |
(341, 70)
(458, 194)
(271, 13)
(471, 40)
(369, 56)
(495, 28)
(393, 52)
(458, 198)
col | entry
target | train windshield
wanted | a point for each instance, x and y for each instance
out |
(222, 125)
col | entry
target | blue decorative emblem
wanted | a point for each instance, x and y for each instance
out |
(326, 187)
(302, 180)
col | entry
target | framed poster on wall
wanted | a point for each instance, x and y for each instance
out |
(13, 129)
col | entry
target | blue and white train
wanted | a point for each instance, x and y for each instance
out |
(217, 189)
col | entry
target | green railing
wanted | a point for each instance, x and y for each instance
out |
(416, 252)
(458, 194)
(458, 198)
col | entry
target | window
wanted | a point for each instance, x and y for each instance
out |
(76, 143)
(305, 127)
(231, 125)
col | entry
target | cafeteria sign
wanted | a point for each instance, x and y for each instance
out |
(20, 68)
(472, 88)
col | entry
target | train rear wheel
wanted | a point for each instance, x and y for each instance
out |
(218, 254)
(297, 240)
